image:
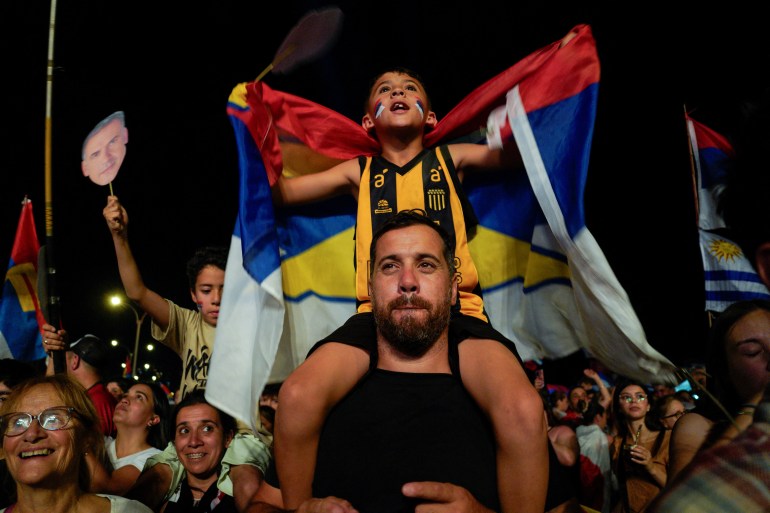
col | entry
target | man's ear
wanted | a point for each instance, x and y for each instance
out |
(83, 167)
(193, 296)
(762, 262)
(73, 361)
(125, 135)
(455, 285)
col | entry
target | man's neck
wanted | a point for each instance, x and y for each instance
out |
(88, 380)
(435, 360)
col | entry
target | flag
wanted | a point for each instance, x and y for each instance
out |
(127, 367)
(569, 289)
(20, 315)
(728, 274)
(252, 313)
(543, 277)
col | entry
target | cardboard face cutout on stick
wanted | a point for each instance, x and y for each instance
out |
(104, 149)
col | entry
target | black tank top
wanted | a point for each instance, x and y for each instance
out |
(394, 428)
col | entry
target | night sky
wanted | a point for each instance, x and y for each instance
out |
(171, 67)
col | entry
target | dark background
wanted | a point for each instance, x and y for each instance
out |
(171, 66)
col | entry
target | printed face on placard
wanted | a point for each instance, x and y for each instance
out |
(104, 149)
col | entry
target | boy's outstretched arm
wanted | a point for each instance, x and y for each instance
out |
(496, 381)
(149, 300)
(305, 399)
(470, 158)
(340, 179)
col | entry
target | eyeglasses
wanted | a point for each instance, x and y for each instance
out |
(677, 414)
(52, 419)
(640, 398)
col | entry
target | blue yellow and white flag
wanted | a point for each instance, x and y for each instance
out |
(545, 281)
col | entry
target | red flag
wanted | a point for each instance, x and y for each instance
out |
(127, 367)
(20, 315)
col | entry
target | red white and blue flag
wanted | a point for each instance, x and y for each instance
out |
(290, 276)
(728, 274)
(20, 315)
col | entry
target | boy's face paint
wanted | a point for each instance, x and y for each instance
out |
(379, 108)
(420, 107)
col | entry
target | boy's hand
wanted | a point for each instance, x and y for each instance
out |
(115, 215)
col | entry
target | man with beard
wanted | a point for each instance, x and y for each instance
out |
(409, 433)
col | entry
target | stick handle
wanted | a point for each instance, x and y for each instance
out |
(264, 72)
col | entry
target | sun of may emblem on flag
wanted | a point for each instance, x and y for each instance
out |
(724, 250)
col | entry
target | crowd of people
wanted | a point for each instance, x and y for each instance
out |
(416, 402)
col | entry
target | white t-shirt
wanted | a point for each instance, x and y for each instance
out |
(117, 505)
(137, 459)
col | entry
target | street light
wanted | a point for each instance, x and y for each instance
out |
(118, 301)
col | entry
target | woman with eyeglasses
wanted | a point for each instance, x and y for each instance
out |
(639, 453)
(48, 424)
(668, 409)
(738, 367)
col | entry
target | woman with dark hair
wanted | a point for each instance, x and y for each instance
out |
(141, 418)
(737, 363)
(202, 433)
(667, 410)
(639, 452)
(48, 424)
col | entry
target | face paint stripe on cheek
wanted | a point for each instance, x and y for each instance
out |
(379, 108)
(420, 108)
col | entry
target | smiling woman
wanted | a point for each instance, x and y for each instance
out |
(202, 433)
(48, 425)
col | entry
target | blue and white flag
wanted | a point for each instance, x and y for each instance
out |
(252, 313)
(728, 274)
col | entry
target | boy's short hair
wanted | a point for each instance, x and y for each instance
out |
(401, 71)
(210, 255)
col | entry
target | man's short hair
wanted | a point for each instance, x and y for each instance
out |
(414, 217)
(92, 350)
(210, 255)
(118, 115)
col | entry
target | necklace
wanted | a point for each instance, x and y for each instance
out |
(636, 437)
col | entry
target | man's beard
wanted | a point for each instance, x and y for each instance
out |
(412, 336)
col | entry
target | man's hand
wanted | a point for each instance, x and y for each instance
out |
(116, 216)
(440, 497)
(53, 339)
(327, 505)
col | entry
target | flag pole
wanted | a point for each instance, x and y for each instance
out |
(692, 166)
(51, 297)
